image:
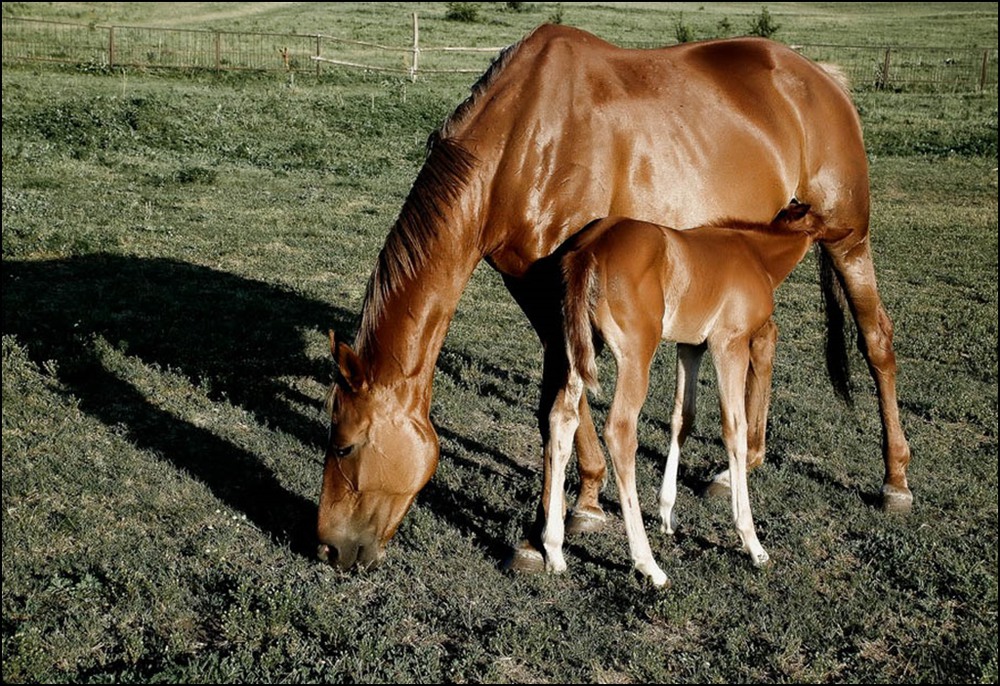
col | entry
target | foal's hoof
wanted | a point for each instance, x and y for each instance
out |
(585, 520)
(895, 499)
(526, 559)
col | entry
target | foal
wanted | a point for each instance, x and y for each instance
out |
(633, 284)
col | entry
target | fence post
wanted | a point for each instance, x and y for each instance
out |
(111, 46)
(317, 54)
(218, 51)
(982, 74)
(885, 71)
(416, 48)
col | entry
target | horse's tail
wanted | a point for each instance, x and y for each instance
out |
(580, 282)
(834, 305)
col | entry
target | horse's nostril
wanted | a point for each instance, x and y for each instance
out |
(323, 552)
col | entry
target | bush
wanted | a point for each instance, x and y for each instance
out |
(762, 25)
(683, 32)
(463, 11)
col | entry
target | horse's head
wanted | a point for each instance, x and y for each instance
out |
(381, 451)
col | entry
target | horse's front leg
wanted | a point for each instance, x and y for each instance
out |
(731, 363)
(564, 417)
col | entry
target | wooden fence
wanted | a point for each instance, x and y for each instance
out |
(899, 68)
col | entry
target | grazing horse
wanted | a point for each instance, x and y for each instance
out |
(561, 129)
(634, 283)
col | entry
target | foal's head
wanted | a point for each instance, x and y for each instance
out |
(797, 217)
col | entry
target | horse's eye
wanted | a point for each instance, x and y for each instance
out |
(341, 452)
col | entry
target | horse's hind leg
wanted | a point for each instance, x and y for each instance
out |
(621, 436)
(857, 273)
(763, 345)
(731, 363)
(537, 295)
(588, 515)
(685, 402)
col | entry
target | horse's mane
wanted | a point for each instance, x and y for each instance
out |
(481, 85)
(443, 176)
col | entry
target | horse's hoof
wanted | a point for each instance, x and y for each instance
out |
(585, 520)
(655, 576)
(895, 499)
(762, 560)
(525, 559)
(716, 489)
(668, 524)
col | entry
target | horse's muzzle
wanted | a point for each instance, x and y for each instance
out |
(347, 556)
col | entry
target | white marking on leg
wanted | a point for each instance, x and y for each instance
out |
(685, 402)
(563, 421)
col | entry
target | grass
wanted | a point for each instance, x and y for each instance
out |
(175, 248)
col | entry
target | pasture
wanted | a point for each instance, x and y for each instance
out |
(176, 247)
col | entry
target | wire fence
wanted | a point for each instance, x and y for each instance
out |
(894, 68)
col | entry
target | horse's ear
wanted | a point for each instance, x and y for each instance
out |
(349, 372)
(793, 211)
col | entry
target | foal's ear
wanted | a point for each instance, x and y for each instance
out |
(349, 372)
(793, 211)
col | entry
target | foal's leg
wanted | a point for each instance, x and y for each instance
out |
(758, 401)
(620, 434)
(564, 418)
(731, 362)
(688, 362)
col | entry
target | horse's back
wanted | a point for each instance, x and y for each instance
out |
(569, 127)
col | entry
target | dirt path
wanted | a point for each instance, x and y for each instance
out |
(187, 13)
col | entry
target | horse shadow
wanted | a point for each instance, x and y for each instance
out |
(233, 337)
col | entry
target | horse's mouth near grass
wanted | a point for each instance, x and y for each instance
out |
(351, 556)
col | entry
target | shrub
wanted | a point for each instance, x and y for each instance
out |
(763, 25)
(463, 11)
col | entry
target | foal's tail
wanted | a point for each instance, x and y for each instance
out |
(580, 283)
(834, 304)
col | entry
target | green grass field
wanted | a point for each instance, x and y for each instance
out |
(175, 248)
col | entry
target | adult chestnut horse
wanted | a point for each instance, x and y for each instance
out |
(561, 129)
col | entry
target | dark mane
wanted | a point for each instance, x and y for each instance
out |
(442, 178)
(481, 85)
(408, 246)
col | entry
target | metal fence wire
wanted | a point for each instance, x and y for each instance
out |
(896, 68)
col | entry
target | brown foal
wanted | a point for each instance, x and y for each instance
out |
(633, 284)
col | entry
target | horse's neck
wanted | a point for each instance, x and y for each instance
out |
(408, 310)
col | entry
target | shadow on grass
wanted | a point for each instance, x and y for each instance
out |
(234, 336)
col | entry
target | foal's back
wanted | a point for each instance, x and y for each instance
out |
(689, 282)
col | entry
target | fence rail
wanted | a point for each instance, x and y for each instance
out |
(899, 68)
